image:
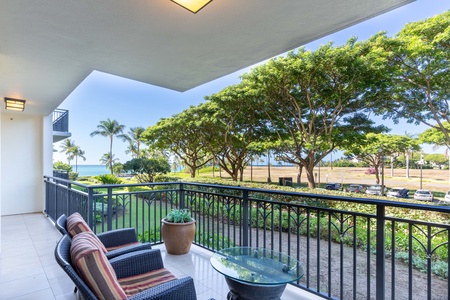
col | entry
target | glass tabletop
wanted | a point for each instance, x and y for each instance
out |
(257, 265)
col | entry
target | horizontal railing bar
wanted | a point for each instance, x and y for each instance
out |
(445, 209)
(437, 208)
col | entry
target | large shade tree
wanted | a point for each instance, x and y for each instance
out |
(109, 129)
(237, 126)
(183, 135)
(316, 100)
(437, 137)
(434, 135)
(417, 73)
(375, 147)
(146, 168)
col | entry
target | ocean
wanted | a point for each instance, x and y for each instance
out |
(91, 170)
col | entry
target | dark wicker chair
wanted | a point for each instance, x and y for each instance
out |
(121, 238)
(128, 265)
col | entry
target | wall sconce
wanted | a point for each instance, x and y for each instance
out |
(192, 5)
(14, 104)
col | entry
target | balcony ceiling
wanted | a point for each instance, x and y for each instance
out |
(48, 47)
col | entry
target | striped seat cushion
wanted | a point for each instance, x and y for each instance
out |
(121, 246)
(138, 283)
(94, 268)
(76, 224)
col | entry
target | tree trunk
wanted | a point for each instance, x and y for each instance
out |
(407, 163)
(377, 174)
(299, 176)
(392, 166)
(111, 155)
(241, 174)
(310, 176)
(192, 172)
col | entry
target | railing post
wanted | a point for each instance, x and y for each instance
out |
(90, 206)
(245, 218)
(181, 196)
(55, 198)
(46, 195)
(110, 214)
(380, 253)
(69, 196)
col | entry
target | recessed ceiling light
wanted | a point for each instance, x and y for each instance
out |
(192, 5)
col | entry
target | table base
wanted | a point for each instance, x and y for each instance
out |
(246, 291)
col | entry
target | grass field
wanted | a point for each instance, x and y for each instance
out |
(435, 180)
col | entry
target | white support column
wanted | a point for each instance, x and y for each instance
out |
(1, 115)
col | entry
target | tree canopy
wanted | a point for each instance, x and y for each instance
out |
(316, 100)
(183, 135)
(146, 168)
(375, 147)
(417, 73)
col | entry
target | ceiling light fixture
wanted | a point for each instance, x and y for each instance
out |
(192, 5)
(14, 104)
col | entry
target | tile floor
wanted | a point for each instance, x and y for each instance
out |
(28, 270)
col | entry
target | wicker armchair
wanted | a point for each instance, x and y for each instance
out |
(117, 242)
(131, 264)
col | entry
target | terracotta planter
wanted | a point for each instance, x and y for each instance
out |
(177, 237)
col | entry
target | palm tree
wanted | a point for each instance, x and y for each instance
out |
(66, 147)
(133, 138)
(109, 161)
(75, 153)
(111, 129)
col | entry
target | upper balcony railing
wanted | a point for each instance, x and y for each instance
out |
(60, 120)
(350, 248)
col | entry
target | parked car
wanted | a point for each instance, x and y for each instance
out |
(424, 195)
(398, 192)
(376, 190)
(355, 188)
(447, 196)
(333, 186)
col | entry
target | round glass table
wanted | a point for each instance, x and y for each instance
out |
(256, 273)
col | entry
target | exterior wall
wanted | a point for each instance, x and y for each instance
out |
(47, 155)
(22, 163)
(0, 183)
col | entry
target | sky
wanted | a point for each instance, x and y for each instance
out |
(101, 96)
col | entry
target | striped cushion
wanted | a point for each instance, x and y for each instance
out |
(138, 283)
(95, 269)
(94, 239)
(76, 224)
(121, 246)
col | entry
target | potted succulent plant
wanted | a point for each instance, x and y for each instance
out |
(178, 231)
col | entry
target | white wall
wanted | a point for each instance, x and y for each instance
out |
(22, 163)
(0, 183)
(47, 139)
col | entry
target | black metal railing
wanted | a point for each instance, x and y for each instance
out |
(61, 174)
(60, 120)
(350, 248)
